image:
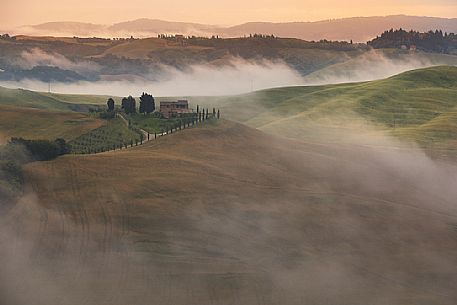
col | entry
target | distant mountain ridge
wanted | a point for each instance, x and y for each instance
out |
(359, 29)
(157, 26)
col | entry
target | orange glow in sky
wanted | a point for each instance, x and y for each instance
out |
(220, 12)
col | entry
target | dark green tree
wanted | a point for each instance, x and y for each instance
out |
(129, 105)
(42, 150)
(147, 103)
(110, 104)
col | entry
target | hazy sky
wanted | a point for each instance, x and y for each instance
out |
(221, 12)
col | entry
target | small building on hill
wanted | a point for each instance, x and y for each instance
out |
(171, 109)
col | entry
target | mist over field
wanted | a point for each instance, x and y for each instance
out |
(327, 223)
(37, 57)
(280, 170)
(372, 65)
(236, 76)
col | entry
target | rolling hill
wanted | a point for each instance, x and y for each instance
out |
(38, 115)
(418, 106)
(66, 61)
(33, 123)
(359, 29)
(320, 203)
(226, 214)
(151, 27)
(49, 101)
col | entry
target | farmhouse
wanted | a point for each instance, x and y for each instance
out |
(171, 109)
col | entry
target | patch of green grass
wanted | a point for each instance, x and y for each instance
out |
(49, 101)
(81, 99)
(114, 133)
(153, 124)
(419, 106)
(47, 124)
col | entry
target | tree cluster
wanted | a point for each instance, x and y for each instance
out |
(129, 105)
(255, 35)
(432, 41)
(43, 150)
(7, 37)
(110, 104)
(91, 39)
(147, 103)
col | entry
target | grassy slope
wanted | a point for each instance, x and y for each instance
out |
(38, 115)
(141, 49)
(44, 124)
(229, 215)
(51, 101)
(419, 106)
(152, 124)
(115, 132)
(81, 99)
(373, 64)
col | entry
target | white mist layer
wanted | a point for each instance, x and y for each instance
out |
(239, 77)
(37, 57)
(375, 65)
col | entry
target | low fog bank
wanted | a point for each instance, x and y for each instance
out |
(235, 77)
(12, 157)
(370, 221)
(271, 221)
(49, 259)
(376, 64)
(36, 57)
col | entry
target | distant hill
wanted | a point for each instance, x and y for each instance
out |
(68, 59)
(432, 41)
(146, 27)
(67, 28)
(359, 29)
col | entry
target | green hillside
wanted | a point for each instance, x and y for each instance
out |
(50, 101)
(376, 63)
(114, 133)
(32, 123)
(418, 106)
(224, 214)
